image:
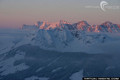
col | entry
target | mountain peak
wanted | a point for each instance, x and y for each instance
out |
(107, 23)
(63, 22)
(83, 23)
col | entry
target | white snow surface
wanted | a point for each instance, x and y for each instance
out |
(7, 66)
(77, 75)
(57, 69)
(36, 78)
(39, 69)
(64, 37)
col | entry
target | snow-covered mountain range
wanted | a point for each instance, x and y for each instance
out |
(77, 37)
(81, 25)
(60, 51)
(63, 36)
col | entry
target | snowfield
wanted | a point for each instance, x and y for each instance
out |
(60, 51)
(36, 78)
(8, 66)
(29, 62)
(77, 75)
(64, 37)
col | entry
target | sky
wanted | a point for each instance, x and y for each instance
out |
(15, 13)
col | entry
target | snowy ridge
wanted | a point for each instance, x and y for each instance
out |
(47, 25)
(63, 36)
(49, 51)
(81, 26)
(77, 37)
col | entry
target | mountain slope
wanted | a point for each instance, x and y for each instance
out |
(27, 62)
(77, 37)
